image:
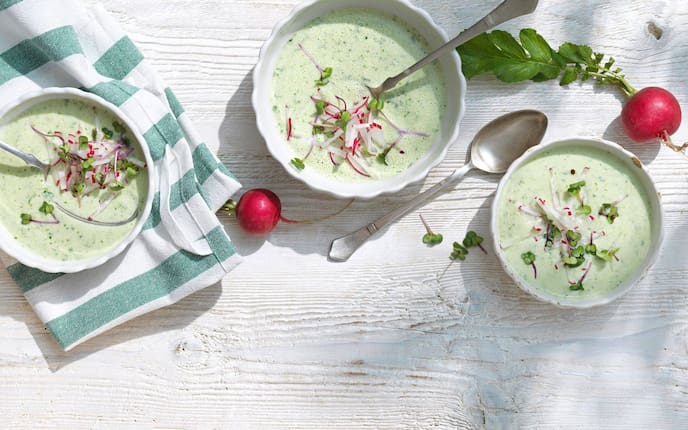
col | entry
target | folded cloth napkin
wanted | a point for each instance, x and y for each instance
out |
(183, 247)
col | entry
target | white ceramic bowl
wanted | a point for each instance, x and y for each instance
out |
(450, 66)
(657, 219)
(29, 258)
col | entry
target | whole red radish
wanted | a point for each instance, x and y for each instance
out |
(258, 211)
(651, 113)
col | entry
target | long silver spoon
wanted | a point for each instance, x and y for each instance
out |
(509, 9)
(31, 160)
(493, 149)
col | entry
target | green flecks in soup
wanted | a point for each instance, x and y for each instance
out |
(97, 172)
(324, 111)
(574, 222)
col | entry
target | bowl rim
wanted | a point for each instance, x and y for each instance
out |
(29, 258)
(657, 222)
(402, 9)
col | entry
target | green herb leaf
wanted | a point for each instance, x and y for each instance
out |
(499, 53)
(569, 76)
(107, 133)
(298, 163)
(459, 252)
(591, 249)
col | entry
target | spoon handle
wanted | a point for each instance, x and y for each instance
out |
(29, 159)
(507, 10)
(342, 248)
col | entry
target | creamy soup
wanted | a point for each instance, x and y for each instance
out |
(97, 172)
(324, 110)
(574, 221)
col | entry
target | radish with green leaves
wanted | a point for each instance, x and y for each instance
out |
(652, 113)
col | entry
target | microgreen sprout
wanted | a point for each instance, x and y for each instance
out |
(608, 254)
(529, 259)
(320, 107)
(584, 210)
(574, 189)
(472, 239)
(459, 252)
(107, 133)
(116, 186)
(324, 77)
(382, 157)
(578, 286)
(430, 238)
(26, 218)
(376, 104)
(573, 237)
(119, 128)
(83, 142)
(343, 120)
(591, 249)
(552, 234)
(298, 163)
(609, 210)
(46, 208)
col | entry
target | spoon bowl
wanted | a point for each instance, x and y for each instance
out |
(506, 138)
(493, 149)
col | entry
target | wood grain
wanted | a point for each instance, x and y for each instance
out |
(398, 337)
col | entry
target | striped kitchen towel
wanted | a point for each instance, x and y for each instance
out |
(183, 247)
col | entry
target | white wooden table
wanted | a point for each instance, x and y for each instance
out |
(397, 337)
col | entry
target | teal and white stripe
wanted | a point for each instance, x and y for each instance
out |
(183, 247)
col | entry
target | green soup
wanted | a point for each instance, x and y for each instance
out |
(581, 216)
(361, 46)
(26, 190)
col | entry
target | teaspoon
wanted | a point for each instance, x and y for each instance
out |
(507, 10)
(492, 150)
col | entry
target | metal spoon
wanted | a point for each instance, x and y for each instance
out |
(31, 160)
(507, 10)
(492, 150)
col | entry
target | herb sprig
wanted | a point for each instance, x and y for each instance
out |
(532, 58)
